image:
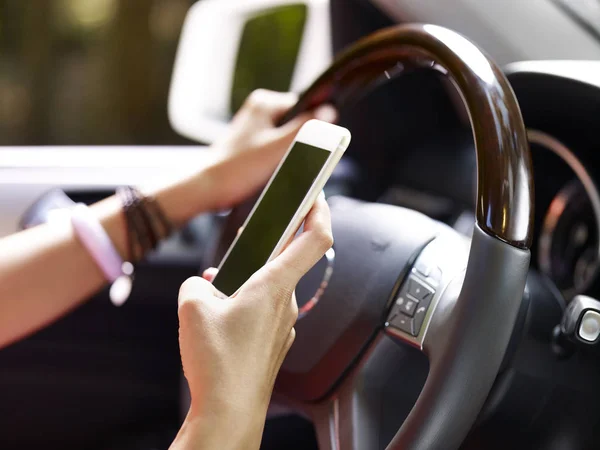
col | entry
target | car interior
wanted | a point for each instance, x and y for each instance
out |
(460, 305)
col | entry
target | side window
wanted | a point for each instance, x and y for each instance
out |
(268, 63)
(229, 48)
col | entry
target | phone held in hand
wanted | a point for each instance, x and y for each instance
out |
(284, 203)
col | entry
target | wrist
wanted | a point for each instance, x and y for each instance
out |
(189, 197)
(222, 429)
(216, 184)
(221, 183)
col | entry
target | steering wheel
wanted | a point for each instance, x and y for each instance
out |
(399, 273)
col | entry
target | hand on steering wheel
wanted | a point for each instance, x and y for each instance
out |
(255, 145)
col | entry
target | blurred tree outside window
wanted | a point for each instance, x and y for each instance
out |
(87, 72)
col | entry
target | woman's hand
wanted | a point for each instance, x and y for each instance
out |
(232, 348)
(243, 162)
(254, 145)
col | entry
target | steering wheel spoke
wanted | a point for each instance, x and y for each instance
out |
(374, 400)
(335, 420)
(352, 418)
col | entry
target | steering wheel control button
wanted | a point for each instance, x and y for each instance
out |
(409, 307)
(589, 328)
(406, 305)
(416, 300)
(418, 290)
(423, 268)
(403, 323)
(420, 313)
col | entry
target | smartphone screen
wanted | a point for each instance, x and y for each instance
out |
(271, 216)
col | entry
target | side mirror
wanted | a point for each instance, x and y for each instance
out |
(229, 48)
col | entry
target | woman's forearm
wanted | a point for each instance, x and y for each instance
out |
(46, 271)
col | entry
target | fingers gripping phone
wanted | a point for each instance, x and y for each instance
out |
(284, 203)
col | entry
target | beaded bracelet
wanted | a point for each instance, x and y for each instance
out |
(144, 219)
(146, 222)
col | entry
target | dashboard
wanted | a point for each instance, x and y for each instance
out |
(558, 101)
(567, 244)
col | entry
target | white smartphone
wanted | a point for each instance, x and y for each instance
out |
(284, 203)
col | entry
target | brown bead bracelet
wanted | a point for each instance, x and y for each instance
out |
(146, 222)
